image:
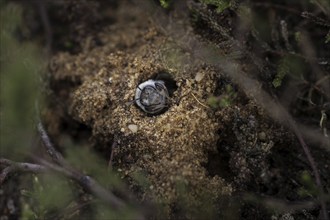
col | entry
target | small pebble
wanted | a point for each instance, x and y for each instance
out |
(199, 76)
(262, 136)
(133, 128)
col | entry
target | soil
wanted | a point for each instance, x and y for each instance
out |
(215, 154)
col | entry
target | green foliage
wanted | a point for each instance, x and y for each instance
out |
(48, 194)
(27, 212)
(309, 188)
(105, 212)
(224, 100)
(165, 3)
(327, 38)
(47, 191)
(288, 65)
(297, 36)
(51, 195)
(91, 164)
(140, 178)
(220, 5)
(283, 69)
(19, 64)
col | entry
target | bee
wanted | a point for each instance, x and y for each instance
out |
(152, 96)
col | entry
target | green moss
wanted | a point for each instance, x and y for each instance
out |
(224, 100)
(220, 5)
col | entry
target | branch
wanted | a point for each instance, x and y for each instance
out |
(12, 167)
(87, 183)
(54, 154)
(84, 181)
(61, 166)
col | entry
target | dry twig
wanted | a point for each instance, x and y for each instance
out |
(59, 165)
(12, 167)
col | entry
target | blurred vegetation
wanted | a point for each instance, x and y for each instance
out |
(289, 64)
(224, 100)
(309, 188)
(44, 196)
(220, 5)
(20, 65)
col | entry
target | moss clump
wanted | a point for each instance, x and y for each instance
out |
(170, 148)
